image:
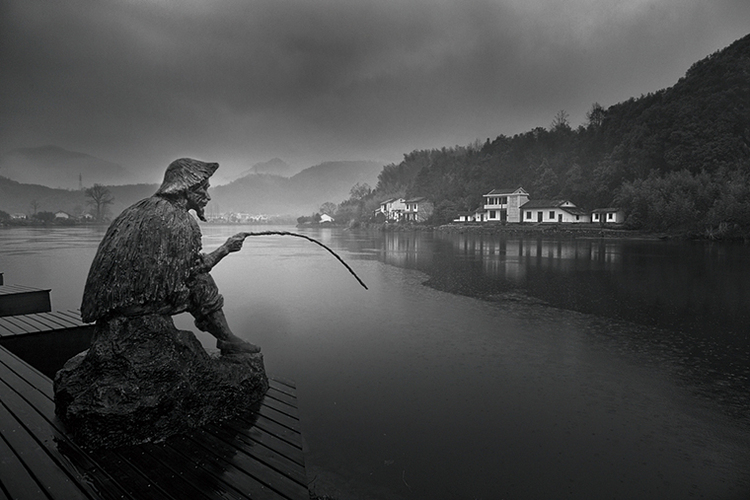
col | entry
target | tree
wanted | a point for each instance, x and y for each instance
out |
(328, 208)
(44, 216)
(595, 116)
(100, 198)
(360, 191)
(34, 207)
(560, 121)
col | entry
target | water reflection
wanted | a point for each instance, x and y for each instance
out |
(683, 286)
(589, 395)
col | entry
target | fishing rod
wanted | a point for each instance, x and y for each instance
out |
(287, 233)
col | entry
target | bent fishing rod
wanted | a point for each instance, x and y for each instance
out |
(297, 235)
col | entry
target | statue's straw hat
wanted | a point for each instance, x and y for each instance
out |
(185, 173)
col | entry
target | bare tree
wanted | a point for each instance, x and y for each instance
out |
(560, 121)
(34, 207)
(99, 198)
(328, 208)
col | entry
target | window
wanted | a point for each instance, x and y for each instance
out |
(493, 214)
(551, 214)
(503, 200)
(578, 217)
(528, 215)
(610, 216)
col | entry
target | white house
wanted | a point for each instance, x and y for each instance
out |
(550, 211)
(18, 216)
(418, 209)
(464, 217)
(325, 218)
(479, 214)
(393, 208)
(608, 215)
(503, 205)
(62, 215)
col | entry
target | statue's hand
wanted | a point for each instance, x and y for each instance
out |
(234, 243)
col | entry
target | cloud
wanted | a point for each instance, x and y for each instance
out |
(141, 81)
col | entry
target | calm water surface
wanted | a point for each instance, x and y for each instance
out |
(526, 368)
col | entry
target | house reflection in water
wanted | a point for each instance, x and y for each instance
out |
(511, 258)
(407, 250)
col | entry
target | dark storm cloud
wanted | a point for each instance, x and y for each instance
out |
(139, 82)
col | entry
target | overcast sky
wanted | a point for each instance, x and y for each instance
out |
(142, 82)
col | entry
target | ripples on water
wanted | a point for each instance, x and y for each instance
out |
(406, 391)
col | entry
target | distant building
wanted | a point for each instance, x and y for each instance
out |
(418, 209)
(551, 211)
(325, 218)
(503, 204)
(62, 215)
(18, 216)
(608, 216)
(392, 209)
(479, 214)
(464, 217)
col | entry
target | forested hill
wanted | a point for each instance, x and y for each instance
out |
(677, 158)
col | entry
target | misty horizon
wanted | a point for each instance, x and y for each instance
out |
(130, 83)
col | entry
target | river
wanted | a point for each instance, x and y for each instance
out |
(483, 366)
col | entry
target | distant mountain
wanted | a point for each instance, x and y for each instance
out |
(275, 166)
(16, 197)
(54, 166)
(301, 194)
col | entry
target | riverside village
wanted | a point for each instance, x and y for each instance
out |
(504, 205)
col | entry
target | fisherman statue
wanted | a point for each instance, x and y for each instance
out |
(150, 260)
(142, 379)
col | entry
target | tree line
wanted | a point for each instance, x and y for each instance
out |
(676, 160)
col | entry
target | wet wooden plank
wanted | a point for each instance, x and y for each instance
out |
(15, 326)
(261, 452)
(224, 475)
(20, 299)
(252, 457)
(20, 324)
(238, 458)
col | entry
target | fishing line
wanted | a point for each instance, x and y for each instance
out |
(287, 233)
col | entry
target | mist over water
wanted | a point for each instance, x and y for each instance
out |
(517, 373)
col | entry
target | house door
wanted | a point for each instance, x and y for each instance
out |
(539, 216)
(559, 217)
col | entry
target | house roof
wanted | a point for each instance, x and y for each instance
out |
(576, 210)
(505, 191)
(545, 204)
(415, 200)
(605, 210)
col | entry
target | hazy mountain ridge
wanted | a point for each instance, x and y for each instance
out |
(253, 193)
(300, 194)
(17, 197)
(57, 167)
(274, 166)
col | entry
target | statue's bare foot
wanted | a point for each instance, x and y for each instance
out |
(237, 346)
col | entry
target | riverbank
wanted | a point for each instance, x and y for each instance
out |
(569, 230)
(565, 230)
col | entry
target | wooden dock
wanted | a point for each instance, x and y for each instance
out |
(46, 339)
(256, 456)
(22, 299)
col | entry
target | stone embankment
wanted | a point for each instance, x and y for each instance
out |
(570, 230)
